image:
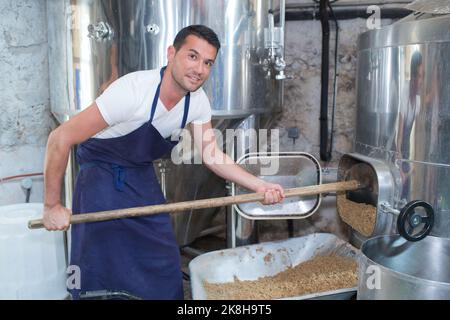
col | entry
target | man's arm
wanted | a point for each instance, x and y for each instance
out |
(78, 129)
(222, 165)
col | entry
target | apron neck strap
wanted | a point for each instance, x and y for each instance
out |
(187, 100)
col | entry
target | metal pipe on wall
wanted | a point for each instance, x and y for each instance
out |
(325, 153)
(21, 176)
(354, 3)
(298, 12)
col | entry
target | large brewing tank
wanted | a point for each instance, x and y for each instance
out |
(403, 111)
(93, 42)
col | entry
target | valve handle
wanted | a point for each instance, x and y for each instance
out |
(408, 220)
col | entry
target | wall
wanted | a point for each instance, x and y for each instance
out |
(25, 119)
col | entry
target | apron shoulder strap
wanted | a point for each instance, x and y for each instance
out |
(187, 101)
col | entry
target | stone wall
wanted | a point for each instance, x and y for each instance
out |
(25, 119)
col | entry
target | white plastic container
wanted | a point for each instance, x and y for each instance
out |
(32, 262)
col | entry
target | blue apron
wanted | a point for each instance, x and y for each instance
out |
(139, 256)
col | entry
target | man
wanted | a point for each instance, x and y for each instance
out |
(119, 136)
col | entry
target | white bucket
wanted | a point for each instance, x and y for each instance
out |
(32, 262)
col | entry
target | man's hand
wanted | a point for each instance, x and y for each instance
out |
(56, 218)
(274, 193)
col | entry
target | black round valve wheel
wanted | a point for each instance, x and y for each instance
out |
(409, 220)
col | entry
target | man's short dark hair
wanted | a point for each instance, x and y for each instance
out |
(200, 31)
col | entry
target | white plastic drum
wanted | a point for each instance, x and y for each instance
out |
(32, 262)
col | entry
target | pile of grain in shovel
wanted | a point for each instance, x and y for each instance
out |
(360, 216)
(323, 273)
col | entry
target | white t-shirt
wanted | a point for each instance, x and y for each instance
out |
(126, 105)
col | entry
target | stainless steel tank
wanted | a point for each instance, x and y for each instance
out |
(391, 268)
(93, 42)
(403, 111)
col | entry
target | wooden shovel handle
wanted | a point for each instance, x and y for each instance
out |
(201, 204)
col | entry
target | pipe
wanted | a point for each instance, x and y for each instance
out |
(333, 108)
(27, 185)
(352, 4)
(283, 14)
(212, 230)
(345, 12)
(325, 153)
(342, 11)
(192, 251)
(28, 195)
(21, 176)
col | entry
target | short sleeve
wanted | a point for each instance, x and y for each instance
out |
(204, 114)
(118, 102)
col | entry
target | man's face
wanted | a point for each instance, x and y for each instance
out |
(191, 64)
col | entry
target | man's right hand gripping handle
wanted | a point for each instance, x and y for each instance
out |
(56, 218)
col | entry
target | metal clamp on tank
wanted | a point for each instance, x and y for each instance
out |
(100, 31)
